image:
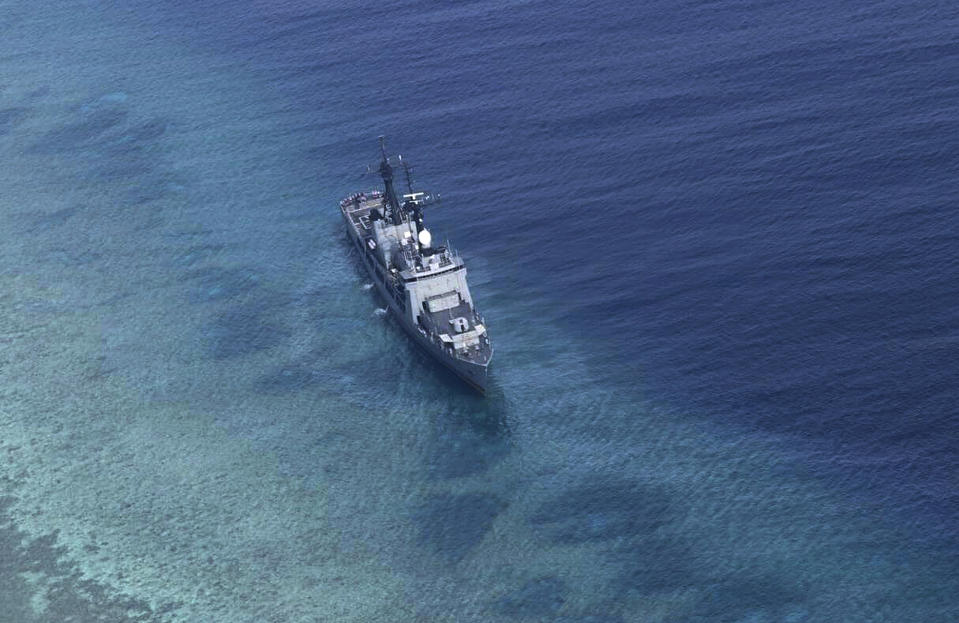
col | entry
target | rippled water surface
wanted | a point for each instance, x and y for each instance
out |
(716, 244)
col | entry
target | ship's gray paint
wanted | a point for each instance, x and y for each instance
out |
(426, 292)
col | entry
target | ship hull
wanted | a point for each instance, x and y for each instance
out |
(473, 374)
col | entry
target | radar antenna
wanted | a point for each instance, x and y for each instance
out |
(392, 207)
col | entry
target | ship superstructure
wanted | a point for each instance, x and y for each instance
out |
(424, 285)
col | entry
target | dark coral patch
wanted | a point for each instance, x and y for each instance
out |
(10, 117)
(43, 220)
(80, 133)
(603, 509)
(243, 330)
(294, 377)
(66, 596)
(465, 445)
(149, 131)
(655, 565)
(454, 524)
(215, 283)
(745, 598)
(538, 598)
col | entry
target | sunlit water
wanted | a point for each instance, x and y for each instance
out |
(715, 245)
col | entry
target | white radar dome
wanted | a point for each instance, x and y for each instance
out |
(425, 237)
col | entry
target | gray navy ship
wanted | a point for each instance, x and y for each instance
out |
(423, 285)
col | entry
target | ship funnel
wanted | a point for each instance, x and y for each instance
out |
(425, 238)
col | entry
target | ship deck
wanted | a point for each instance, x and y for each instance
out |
(358, 211)
(440, 322)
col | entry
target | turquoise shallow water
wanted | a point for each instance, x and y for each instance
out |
(205, 419)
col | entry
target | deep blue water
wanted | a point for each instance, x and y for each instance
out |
(716, 244)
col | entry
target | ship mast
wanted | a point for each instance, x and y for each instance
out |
(386, 172)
